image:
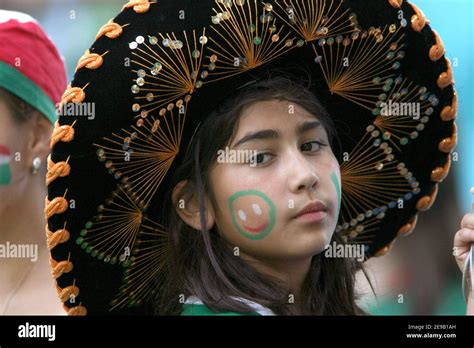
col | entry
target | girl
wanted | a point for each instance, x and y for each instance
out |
(32, 78)
(251, 221)
(251, 236)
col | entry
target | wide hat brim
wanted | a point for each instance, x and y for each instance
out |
(155, 72)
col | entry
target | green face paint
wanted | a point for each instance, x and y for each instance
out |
(335, 181)
(253, 213)
(5, 172)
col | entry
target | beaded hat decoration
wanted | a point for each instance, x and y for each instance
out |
(159, 67)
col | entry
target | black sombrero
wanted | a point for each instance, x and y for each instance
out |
(160, 66)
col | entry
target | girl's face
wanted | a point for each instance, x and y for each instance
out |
(13, 172)
(19, 145)
(260, 199)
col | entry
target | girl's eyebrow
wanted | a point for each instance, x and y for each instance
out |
(308, 125)
(259, 135)
(274, 134)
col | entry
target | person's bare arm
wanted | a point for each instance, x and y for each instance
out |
(462, 246)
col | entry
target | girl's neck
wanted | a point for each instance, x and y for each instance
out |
(291, 272)
(22, 228)
(24, 221)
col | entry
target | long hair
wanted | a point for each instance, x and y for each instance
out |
(202, 264)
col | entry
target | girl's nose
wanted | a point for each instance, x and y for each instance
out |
(302, 175)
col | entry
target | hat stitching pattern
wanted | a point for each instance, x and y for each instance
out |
(90, 60)
(418, 20)
(65, 133)
(111, 29)
(139, 6)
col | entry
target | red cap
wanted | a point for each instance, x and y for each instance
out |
(30, 65)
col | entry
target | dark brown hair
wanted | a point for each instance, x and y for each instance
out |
(202, 263)
(20, 111)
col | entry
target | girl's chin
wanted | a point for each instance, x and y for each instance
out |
(304, 248)
(310, 243)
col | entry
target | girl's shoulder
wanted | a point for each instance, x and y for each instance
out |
(194, 306)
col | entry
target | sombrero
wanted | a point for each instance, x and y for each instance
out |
(157, 69)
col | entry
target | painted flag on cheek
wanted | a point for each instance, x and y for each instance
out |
(5, 173)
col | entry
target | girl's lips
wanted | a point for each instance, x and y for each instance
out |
(312, 207)
(315, 216)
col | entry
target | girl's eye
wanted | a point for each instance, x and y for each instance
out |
(261, 158)
(312, 146)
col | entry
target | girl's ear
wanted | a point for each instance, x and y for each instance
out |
(186, 203)
(38, 131)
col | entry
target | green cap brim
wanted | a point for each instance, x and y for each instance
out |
(15, 82)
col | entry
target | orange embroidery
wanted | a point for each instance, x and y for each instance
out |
(396, 3)
(64, 133)
(426, 202)
(73, 94)
(418, 20)
(76, 311)
(409, 227)
(440, 173)
(58, 237)
(139, 6)
(57, 205)
(437, 50)
(448, 144)
(446, 78)
(65, 294)
(56, 170)
(111, 29)
(449, 112)
(59, 268)
(90, 60)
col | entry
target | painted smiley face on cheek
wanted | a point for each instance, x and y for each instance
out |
(5, 172)
(253, 213)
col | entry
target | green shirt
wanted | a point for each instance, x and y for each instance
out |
(194, 306)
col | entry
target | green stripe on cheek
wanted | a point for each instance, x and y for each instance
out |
(335, 182)
(5, 174)
(5, 171)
